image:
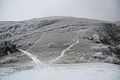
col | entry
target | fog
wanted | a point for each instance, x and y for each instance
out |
(26, 9)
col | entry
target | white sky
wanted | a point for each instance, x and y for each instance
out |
(26, 9)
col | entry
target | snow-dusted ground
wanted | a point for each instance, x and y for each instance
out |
(84, 71)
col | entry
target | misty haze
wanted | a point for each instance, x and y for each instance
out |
(59, 40)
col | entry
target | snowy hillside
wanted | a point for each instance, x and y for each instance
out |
(58, 40)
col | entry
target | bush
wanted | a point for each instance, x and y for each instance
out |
(7, 47)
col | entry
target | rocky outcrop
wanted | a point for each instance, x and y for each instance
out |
(108, 34)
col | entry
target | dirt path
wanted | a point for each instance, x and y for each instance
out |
(64, 51)
(37, 61)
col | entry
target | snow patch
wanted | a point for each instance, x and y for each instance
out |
(86, 71)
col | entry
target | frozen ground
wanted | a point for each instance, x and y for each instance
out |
(84, 71)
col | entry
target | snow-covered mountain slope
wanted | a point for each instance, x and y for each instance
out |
(48, 37)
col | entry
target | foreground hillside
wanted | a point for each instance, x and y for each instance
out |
(48, 38)
(85, 71)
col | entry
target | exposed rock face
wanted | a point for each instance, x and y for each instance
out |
(99, 41)
(108, 34)
(7, 48)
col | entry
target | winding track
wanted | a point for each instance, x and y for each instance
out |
(37, 61)
(68, 49)
(64, 51)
